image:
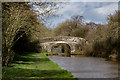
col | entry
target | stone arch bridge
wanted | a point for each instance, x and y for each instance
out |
(73, 42)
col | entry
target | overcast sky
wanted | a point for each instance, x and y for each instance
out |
(91, 11)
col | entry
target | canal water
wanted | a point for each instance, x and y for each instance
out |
(87, 67)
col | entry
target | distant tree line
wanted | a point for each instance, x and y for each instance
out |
(72, 27)
(104, 40)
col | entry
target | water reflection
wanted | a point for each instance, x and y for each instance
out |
(87, 67)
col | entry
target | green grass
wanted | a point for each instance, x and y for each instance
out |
(35, 66)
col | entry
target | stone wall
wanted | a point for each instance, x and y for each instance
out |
(47, 43)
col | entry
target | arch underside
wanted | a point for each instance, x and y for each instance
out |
(61, 48)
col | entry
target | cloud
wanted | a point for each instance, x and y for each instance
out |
(99, 14)
(92, 11)
(92, 0)
(100, 0)
(70, 9)
(108, 9)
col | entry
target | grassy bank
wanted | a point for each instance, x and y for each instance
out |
(35, 66)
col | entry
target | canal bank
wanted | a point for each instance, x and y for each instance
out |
(87, 67)
(35, 66)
